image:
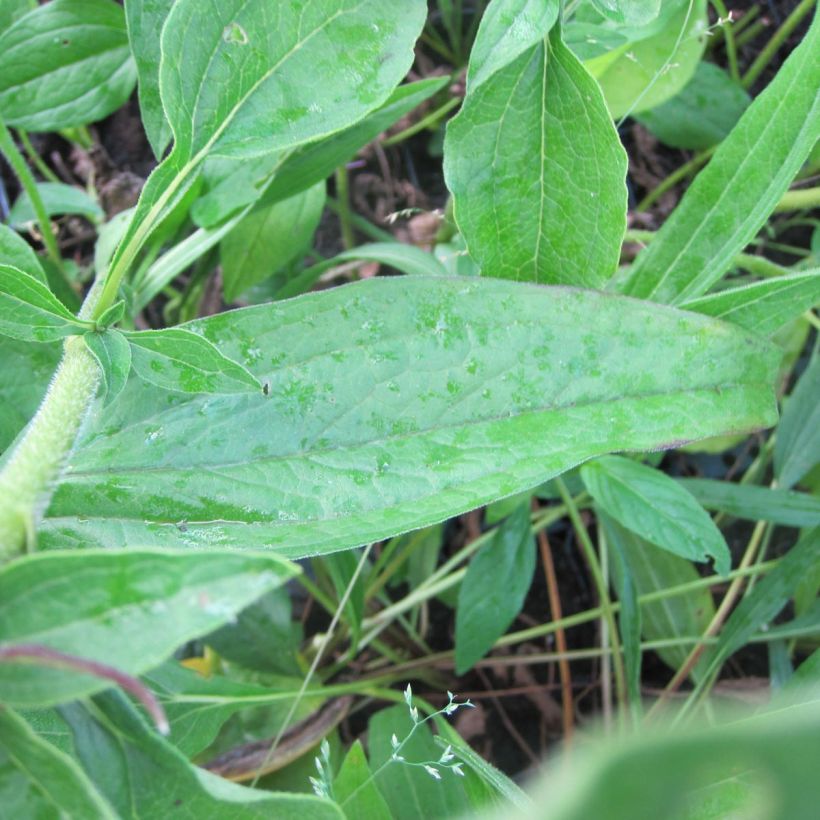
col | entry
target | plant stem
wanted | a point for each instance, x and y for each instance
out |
(675, 177)
(425, 122)
(343, 198)
(729, 37)
(799, 199)
(21, 169)
(35, 158)
(600, 583)
(30, 471)
(778, 38)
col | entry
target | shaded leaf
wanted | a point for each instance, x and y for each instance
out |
(733, 196)
(494, 588)
(15, 251)
(354, 789)
(702, 113)
(29, 311)
(656, 507)
(129, 610)
(58, 199)
(45, 779)
(396, 403)
(63, 64)
(797, 447)
(755, 503)
(177, 359)
(629, 12)
(532, 202)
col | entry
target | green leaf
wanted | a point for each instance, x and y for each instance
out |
(702, 113)
(263, 637)
(396, 403)
(642, 73)
(410, 791)
(177, 359)
(46, 778)
(126, 609)
(66, 63)
(113, 355)
(653, 570)
(29, 311)
(145, 777)
(763, 307)
(508, 28)
(629, 12)
(764, 601)
(58, 199)
(537, 172)
(25, 370)
(341, 567)
(797, 448)
(269, 238)
(238, 182)
(755, 503)
(494, 588)
(111, 316)
(629, 617)
(11, 10)
(15, 251)
(771, 757)
(218, 86)
(354, 789)
(145, 20)
(656, 507)
(733, 196)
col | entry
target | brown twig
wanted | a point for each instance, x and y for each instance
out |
(567, 706)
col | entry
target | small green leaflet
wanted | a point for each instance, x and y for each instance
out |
(654, 506)
(15, 251)
(177, 359)
(29, 311)
(113, 354)
(58, 199)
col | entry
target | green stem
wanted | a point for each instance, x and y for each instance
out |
(425, 122)
(29, 473)
(749, 34)
(21, 169)
(362, 224)
(799, 199)
(777, 40)
(35, 158)
(343, 198)
(729, 37)
(675, 177)
(600, 583)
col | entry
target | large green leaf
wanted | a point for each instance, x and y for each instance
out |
(395, 403)
(144, 777)
(494, 588)
(629, 12)
(733, 196)
(37, 779)
(65, 63)
(269, 238)
(797, 448)
(537, 172)
(651, 504)
(128, 609)
(253, 61)
(29, 311)
(11, 10)
(763, 307)
(652, 570)
(145, 20)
